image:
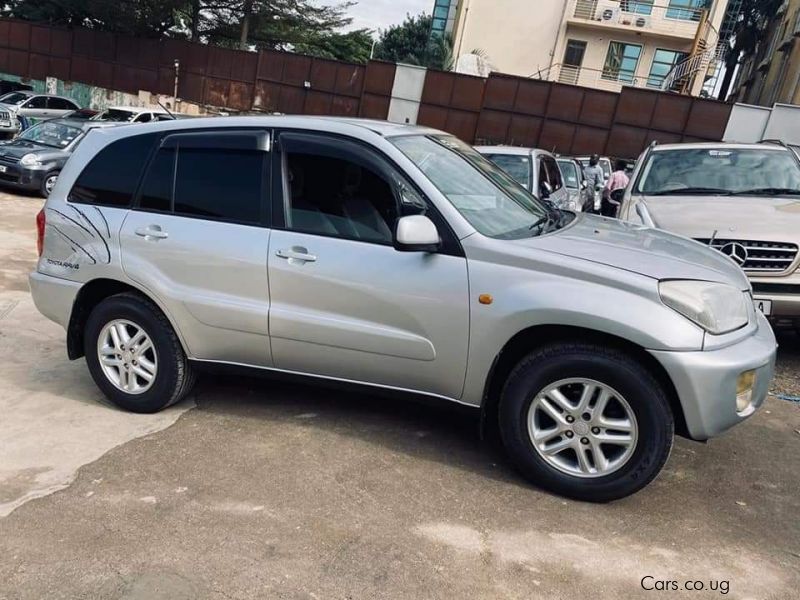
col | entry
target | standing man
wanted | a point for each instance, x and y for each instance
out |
(618, 181)
(595, 179)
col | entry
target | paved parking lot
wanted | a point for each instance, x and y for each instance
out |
(257, 489)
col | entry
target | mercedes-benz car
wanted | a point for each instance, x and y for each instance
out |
(741, 199)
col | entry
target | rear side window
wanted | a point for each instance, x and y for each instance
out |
(516, 166)
(110, 179)
(60, 104)
(210, 177)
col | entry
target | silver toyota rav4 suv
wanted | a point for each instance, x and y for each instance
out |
(398, 258)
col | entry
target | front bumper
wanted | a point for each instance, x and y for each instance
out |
(21, 177)
(706, 381)
(53, 297)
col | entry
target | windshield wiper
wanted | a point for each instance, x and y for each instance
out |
(689, 191)
(768, 192)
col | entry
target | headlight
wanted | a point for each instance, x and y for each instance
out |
(716, 307)
(30, 160)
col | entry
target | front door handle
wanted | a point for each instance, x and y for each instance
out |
(296, 253)
(152, 232)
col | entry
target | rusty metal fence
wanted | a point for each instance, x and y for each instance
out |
(500, 110)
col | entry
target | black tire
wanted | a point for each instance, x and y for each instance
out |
(43, 187)
(643, 393)
(174, 377)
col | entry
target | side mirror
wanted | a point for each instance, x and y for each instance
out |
(416, 233)
(644, 215)
(618, 195)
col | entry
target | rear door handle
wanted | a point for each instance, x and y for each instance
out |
(296, 253)
(152, 232)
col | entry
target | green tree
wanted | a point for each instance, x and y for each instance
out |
(751, 27)
(412, 43)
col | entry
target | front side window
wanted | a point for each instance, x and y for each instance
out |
(518, 167)
(722, 171)
(338, 197)
(143, 118)
(621, 62)
(570, 172)
(663, 62)
(224, 183)
(36, 102)
(492, 202)
(52, 135)
(110, 179)
(553, 173)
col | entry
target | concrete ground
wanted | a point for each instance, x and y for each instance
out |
(256, 489)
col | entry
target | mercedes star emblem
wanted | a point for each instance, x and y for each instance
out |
(736, 252)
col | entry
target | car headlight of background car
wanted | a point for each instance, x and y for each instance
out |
(716, 307)
(30, 160)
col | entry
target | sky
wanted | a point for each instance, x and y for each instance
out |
(381, 14)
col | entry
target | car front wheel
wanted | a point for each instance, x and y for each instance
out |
(585, 421)
(48, 183)
(134, 355)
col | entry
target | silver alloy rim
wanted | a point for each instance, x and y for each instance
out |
(127, 356)
(50, 183)
(582, 427)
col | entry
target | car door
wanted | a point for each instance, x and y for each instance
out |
(35, 108)
(197, 238)
(345, 303)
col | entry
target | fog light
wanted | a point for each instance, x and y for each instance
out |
(744, 390)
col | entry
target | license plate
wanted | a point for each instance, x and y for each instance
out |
(765, 306)
(5, 123)
(3, 169)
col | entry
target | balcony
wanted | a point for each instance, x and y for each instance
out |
(606, 79)
(655, 17)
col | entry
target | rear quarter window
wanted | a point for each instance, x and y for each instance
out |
(111, 177)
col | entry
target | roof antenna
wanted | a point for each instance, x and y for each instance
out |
(713, 238)
(169, 112)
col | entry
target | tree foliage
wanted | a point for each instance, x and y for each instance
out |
(412, 43)
(301, 25)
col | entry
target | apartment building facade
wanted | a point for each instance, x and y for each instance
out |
(771, 75)
(603, 44)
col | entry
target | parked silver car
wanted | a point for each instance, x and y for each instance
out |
(536, 170)
(742, 199)
(396, 258)
(582, 198)
(36, 107)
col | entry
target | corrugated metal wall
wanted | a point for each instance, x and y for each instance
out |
(499, 110)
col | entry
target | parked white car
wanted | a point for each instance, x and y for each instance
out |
(397, 259)
(132, 114)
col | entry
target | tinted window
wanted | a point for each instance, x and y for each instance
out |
(60, 104)
(570, 172)
(110, 179)
(335, 197)
(553, 173)
(143, 118)
(517, 167)
(36, 102)
(219, 183)
(159, 182)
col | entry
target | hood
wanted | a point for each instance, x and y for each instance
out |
(649, 252)
(12, 108)
(18, 148)
(757, 218)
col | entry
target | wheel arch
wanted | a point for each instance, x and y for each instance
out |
(527, 340)
(93, 293)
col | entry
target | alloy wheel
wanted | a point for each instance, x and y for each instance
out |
(127, 356)
(582, 427)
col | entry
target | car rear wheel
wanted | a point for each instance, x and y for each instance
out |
(48, 183)
(134, 355)
(585, 421)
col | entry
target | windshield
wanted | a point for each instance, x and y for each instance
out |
(570, 172)
(14, 98)
(54, 135)
(484, 194)
(113, 114)
(723, 171)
